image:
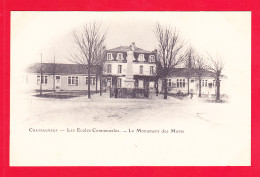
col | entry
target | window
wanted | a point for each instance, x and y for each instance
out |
(120, 56)
(141, 69)
(43, 80)
(73, 80)
(109, 68)
(180, 83)
(136, 83)
(92, 81)
(206, 83)
(108, 82)
(109, 56)
(119, 68)
(141, 57)
(170, 82)
(38, 79)
(191, 80)
(213, 84)
(119, 82)
(152, 58)
(173, 84)
(151, 69)
(58, 79)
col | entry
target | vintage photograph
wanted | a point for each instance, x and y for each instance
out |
(130, 88)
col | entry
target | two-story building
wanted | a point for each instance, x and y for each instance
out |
(130, 67)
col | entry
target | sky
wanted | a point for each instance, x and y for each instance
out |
(225, 34)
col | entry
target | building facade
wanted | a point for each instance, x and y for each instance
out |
(184, 80)
(129, 67)
(59, 77)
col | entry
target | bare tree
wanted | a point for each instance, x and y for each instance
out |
(86, 45)
(99, 64)
(169, 52)
(216, 65)
(200, 67)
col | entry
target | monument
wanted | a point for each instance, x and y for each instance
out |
(129, 82)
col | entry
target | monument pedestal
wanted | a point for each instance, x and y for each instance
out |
(129, 83)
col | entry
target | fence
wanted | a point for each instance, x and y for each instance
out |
(129, 93)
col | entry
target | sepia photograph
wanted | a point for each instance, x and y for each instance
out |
(130, 88)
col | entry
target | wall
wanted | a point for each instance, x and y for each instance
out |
(146, 68)
(81, 83)
(194, 86)
(136, 68)
(32, 83)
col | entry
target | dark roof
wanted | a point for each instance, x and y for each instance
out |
(185, 72)
(59, 68)
(127, 48)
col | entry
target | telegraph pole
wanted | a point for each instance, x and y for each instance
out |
(41, 77)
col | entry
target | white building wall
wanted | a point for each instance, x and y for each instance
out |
(207, 89)
(136, 68)
(114, 68)
(30, 82)
(146, 68)
(174, 89)
(194, 86)
(81, 83)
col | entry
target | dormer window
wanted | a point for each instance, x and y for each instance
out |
(141, 57)
(109, 56)
(119, 56)
(152, 58)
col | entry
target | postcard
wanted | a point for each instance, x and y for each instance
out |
(130, 88)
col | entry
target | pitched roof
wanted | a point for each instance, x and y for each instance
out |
(128, 48)
(185, 72)
(59, 68)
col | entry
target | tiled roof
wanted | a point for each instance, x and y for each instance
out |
(127, 48)
(59, 68)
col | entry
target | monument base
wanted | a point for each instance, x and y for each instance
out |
(129, 83)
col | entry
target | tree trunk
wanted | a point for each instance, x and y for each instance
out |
(100, 85)
(218, 89)
(96, 84)
(156, 86)
(165, 89)
(199, 87)
(188, 85)
(88, 81)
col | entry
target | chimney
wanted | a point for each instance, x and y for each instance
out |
(133, 46)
